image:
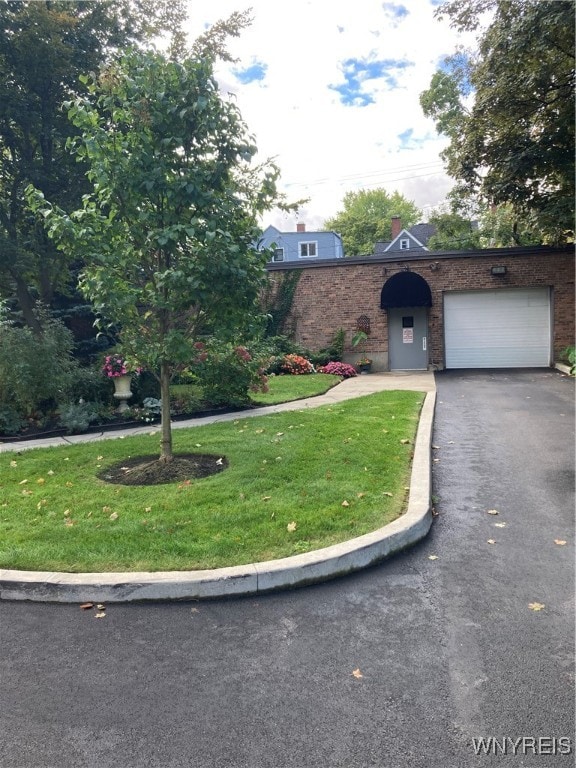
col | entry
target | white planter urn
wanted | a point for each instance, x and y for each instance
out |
(123, 392)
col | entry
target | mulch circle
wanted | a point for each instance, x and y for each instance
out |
(149, 470)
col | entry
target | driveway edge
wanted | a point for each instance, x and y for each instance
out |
(289, 572)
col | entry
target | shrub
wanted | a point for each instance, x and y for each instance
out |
(296, 365)
(77, 417)
(11, 422)
(186, 401)
(334, 351)
(339, 369)
(569, 354)
(228, 373)
(88, 384)
(36, 370)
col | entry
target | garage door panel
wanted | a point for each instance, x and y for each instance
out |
(497, 329)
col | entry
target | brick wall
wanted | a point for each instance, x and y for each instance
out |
(332, 295)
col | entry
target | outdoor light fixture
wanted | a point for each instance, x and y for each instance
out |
(498, 270)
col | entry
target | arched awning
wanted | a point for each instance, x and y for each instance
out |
(405, 289)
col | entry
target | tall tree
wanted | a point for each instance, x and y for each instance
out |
(367, 217)
(508, 109)
(44, 48)
(167, 233)
(493, 227)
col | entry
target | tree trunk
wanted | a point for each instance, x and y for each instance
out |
(166, 454)
(26, 304)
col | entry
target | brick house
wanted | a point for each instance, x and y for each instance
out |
(493, 308)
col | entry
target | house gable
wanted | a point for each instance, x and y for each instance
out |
(301, 245)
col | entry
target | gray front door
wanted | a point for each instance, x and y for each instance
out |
(407, 338)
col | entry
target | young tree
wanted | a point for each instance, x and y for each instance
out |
(508, 109)
(167, 233)
(367, 217)
(44, 48)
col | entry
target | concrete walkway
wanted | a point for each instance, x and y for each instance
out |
(298, 570)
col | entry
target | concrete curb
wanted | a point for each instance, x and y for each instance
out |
(255, 578)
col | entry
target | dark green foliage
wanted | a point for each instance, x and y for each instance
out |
(514, 143)
(228, 374)
(11, 421)
(36, 370)
(44, 49)
(76, 417)
(277, 299)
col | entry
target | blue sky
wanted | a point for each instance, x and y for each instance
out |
(331, 91)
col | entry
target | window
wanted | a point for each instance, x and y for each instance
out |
(308, 250)
(278, 254)
(404, 244)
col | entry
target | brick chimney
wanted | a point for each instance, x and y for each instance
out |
(396, 226)
(300, 227)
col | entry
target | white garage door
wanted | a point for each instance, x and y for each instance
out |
(497, 329)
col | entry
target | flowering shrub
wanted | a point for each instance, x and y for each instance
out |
(339, 369)
(228, 374)
(114, 366)
(296, 365)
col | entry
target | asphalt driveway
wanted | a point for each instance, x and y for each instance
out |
(403, 665)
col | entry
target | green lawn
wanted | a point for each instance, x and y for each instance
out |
(296, 481)
(281, 389)
(285, 388)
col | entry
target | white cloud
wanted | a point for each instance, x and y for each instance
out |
(295, 106)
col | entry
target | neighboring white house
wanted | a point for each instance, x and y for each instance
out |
(301, 245)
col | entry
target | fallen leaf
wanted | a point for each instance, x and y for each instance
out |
(50, 472)
(266, 498)
(99, 458)
(13, 463)
(499, 525)
(493, 512)
(291, 527)
(106, 509)
(219, 461)
(114, 516)
(69, 484)
(87, 606)
(387, 493)
(279, 434)
(432, 557)
(345, 503)
(100, 615)
(69, 522)
(66, 513)
(435, 447)
(560, 542)
(405, 441)
(491, 541)
(101, 607)
(22, 482)
(536, 606)
(357, 674)
(360, 495)
(147, 509)
(26, 493)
